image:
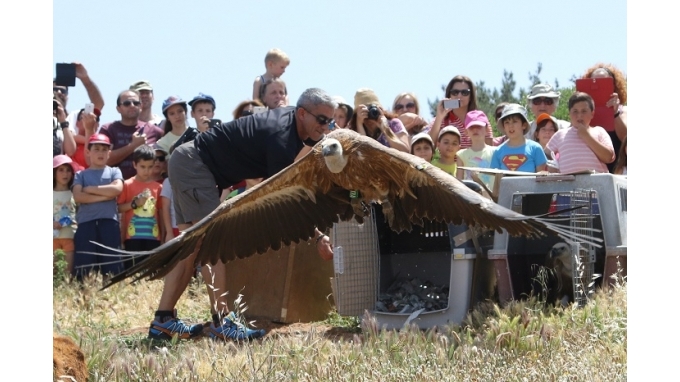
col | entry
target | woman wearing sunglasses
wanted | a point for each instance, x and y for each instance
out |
(371, 120)
(462, 89)
(407, 108)
(245, 108)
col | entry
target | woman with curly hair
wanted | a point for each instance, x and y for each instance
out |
(617, 101)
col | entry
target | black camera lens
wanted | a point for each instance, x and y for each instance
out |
(373, 112)
(55, 104)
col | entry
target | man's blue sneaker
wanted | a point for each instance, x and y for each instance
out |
(174, 327)
(232, 329)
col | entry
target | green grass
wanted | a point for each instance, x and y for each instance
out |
(524, 341)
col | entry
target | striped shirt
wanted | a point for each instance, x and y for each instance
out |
(465, 140)
(575, 155)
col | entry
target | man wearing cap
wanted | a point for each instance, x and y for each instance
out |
(129, 132)
(255, 146)
(543, 99)
(146, 97)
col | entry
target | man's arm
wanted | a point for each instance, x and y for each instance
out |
(93, 92)
(119, 154)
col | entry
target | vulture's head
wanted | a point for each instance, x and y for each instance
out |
(331, 149)
(560, 250)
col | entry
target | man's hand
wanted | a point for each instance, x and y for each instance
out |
(138, 139)
(81, 72)
(61, 114)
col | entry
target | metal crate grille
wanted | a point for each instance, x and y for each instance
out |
(355, 262)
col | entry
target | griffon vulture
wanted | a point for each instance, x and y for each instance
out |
(336, 180)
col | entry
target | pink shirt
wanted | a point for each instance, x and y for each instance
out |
(465, 140)
(575, 155)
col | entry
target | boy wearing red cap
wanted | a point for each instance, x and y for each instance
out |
(95, 189)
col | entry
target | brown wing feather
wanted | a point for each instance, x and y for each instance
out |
(283, 209)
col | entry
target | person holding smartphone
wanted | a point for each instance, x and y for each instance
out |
(449, 112)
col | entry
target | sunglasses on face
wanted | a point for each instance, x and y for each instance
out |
(464, 92)
(399, 106)
(320, 119)
(160, 158)
(130, 102)
(60, 90)
(542, 100)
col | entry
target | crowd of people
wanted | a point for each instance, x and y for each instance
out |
(137, 182)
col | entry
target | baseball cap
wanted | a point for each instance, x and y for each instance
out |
(203, 97)
(158, 147)
(421, 136)
(543, 116)
(476, 118)
(99, 139)
(141, 85)
(61, 159)
(543, 90)
(172, 100)
(514, 108)
(449, 129)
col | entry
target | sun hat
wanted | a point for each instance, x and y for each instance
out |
(203, 97)
(99, 139)
(543, 90)
(61, 159)
(449, 129)
(173, 100)
(341, 101)
(511, 109)
(141, 85)
(476, 118)
(366, 96)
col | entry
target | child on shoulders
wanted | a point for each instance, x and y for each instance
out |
(275, 62)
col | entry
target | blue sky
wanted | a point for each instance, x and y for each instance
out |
(218, 47)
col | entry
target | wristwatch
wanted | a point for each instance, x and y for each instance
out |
(133, 204)
(63, 125)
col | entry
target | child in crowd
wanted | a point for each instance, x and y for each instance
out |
(170, 230)
(342, 114)
(202, 111)
(160, 164)
(422, 146)
(479, 154)
(95, 189)
(275, 63)
(582, 147)
(621, 167)
(140, 204)
(517, 153)
(175, 113)
(448, 145)
(63, 208)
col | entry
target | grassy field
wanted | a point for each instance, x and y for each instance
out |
(525, 341)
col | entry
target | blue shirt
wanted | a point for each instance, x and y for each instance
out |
(521, 158)
(98, 210)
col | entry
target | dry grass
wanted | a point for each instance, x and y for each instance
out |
(525, 341)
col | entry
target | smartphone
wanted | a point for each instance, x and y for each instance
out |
(89, 108)
(259, 109)
(66, 74)
(214, 123)
(451, 103)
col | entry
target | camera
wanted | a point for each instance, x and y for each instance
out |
(373, 112)
(55, 104)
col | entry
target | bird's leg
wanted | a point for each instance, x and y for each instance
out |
(388, 211)
(357, 203)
